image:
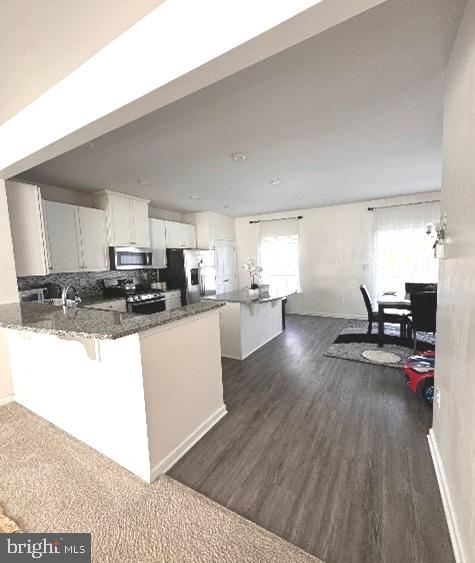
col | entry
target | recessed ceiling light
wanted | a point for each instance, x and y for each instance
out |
(195, 197)
(238, 156)
(145, 182)
(276, 181)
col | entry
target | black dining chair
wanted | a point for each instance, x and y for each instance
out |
(423, 313)
(373, 316)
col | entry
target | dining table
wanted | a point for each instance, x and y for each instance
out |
(390, 301)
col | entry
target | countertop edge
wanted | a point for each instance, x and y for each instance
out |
(72, 334)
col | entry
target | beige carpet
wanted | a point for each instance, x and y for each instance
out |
(50, 482)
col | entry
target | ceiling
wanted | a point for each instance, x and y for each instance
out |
(41, 41)
(354, 113)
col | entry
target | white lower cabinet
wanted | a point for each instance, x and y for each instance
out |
(172, 299)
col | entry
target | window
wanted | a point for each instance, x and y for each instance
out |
(402, 250)
(279, 254)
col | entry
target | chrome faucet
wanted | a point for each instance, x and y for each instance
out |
(64, 295)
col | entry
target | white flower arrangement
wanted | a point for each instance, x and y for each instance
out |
(254, 270)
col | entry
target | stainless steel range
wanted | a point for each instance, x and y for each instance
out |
(139, 296)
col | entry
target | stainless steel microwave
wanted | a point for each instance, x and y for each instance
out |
(130, 258)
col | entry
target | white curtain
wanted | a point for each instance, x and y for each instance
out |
(279, 254)
(402, 249)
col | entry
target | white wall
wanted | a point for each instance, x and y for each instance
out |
(454, 421)
(28, 34)
(8, 290)
(335, 254)
(211, 226)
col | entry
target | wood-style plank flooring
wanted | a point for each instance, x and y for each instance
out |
(331, 455)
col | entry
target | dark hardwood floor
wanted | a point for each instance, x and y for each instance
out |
(331, 455)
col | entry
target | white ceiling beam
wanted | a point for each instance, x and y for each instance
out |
(179, 48)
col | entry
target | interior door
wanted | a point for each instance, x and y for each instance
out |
(225, 260)
(62, 236)
(93, 239)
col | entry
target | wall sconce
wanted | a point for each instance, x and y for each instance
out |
(438, 233)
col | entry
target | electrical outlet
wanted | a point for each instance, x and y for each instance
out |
(437, 397)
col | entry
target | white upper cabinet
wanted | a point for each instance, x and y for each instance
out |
(92, 224)
(119, 221)
(126, 219)
(50, 237)
(180, 235)
(158, 243)
(27, 228)
(75, 238)
(62, 237)
(140, 225)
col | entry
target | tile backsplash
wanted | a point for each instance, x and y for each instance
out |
(87, 283)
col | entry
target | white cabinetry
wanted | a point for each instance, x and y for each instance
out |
(172, 299)
(140, 224)
(51, 237)
(180, 235)
(92, 225)
(158, 243)
(27, 228)
(126, 218)
(62, 237)
(75, 237)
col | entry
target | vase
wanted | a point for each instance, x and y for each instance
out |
(253, 293)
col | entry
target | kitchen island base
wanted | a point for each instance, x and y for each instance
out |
(246, 327)
(142, 400)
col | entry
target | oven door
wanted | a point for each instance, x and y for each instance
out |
(147, 307)
(130, 258)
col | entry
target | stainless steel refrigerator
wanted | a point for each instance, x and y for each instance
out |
(193, 272)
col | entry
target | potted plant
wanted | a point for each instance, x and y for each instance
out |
(254, 270)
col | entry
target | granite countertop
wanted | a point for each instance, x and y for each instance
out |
(242, 296)
(82, 322)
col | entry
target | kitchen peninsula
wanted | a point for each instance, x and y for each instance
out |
(247, 323)
(140, 389)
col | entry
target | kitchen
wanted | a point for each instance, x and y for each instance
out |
(109, 300)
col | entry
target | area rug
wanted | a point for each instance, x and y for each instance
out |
(353, 343)
(51, 482)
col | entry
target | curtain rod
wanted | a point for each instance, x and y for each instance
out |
(403, 204)
(279, 219)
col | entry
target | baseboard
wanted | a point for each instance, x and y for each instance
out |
(170, 460)
(261, 345)
(446, 499)
(334, 316)
(5, 400)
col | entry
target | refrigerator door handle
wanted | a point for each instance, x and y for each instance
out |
(201, 280)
